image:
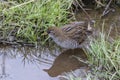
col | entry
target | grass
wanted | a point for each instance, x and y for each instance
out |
(106, 56)
(103, 58)
(28, 20)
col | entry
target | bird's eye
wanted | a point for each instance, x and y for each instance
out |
(50, 31)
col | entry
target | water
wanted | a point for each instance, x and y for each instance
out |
(25, 63)
(67, 62)
(22, 64)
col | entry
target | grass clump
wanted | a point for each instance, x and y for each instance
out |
(105, 57)
(28, 20)
(104, 60)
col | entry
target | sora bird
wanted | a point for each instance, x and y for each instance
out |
(70, 36)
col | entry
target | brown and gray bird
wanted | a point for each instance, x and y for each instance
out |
(70, 36)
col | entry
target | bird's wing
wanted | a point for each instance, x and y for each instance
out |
(76, 32)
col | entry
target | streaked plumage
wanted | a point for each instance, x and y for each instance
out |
(71, 35)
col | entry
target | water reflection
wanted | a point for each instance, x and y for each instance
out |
(67, 62)
(3, 66)
(25, 63)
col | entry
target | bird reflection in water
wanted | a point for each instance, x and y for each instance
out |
(65, 62)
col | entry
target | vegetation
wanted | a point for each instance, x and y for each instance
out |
(103, 58)
(104, 53)
(28, 20)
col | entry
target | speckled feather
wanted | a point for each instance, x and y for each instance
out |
(77, 31)
(71, 35)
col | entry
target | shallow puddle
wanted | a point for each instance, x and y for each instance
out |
(24, 63)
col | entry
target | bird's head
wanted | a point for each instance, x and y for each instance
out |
(54, 32)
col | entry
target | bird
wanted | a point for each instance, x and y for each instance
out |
(72, 35)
